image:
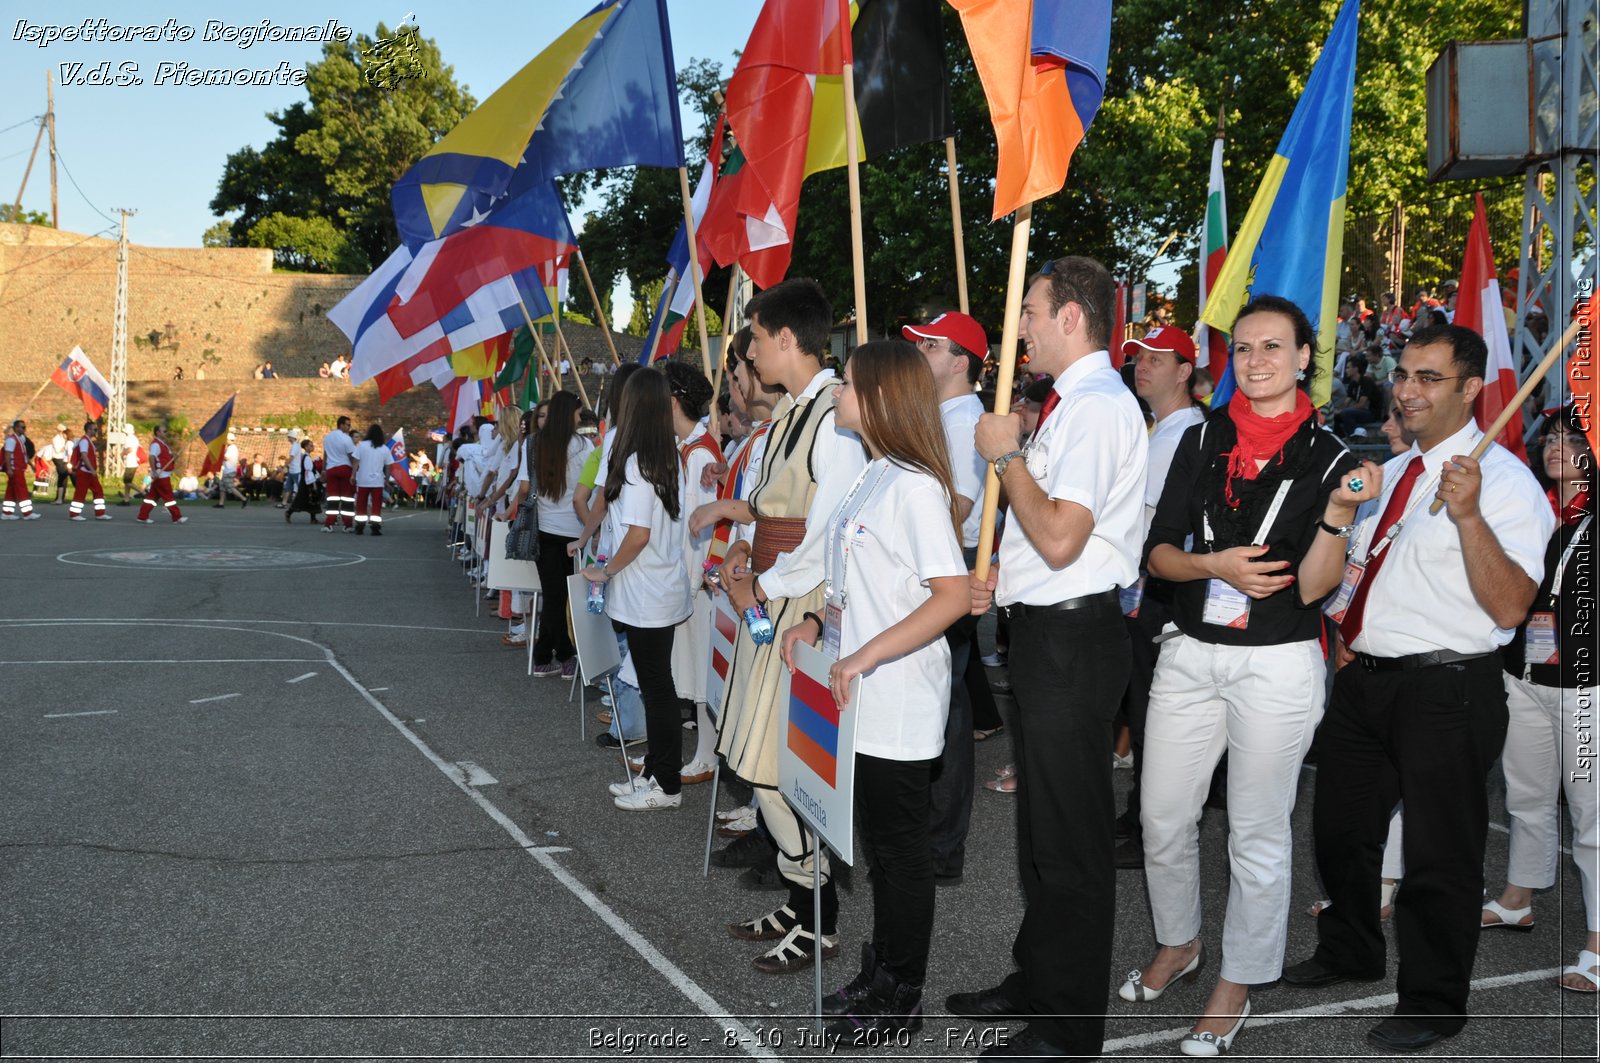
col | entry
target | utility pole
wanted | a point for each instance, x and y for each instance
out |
(117, 412)
(50, 124)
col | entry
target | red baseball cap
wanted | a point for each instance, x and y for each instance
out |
(956, 327)
(1162, 338)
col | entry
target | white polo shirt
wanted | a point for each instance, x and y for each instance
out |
(1091, 450)
(371, 463)
(1420, 600)
(653, 589)
(960, 418)
(337, 447)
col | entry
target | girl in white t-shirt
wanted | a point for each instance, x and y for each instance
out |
(646, 577)
(558, 456)
(895, 580)
(370, 463)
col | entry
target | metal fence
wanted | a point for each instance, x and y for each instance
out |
(1422, 243)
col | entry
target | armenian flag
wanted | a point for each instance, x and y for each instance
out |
(814, 726)
(214, 434)
(1293, 235)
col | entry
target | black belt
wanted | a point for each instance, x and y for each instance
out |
(1088, 601)
(1411, 662)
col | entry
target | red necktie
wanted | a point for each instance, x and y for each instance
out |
(1051, 401)
(1350, 627)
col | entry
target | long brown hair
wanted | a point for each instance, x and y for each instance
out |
(899, 404)
(551, 443)
(645, 429)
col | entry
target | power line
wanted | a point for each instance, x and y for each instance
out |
(236, 278)
(57, 251)
(74, 181)
(35, 119)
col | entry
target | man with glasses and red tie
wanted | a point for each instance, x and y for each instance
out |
(1418, 711)
(1073, 537)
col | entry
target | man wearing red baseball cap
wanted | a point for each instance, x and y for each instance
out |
(955, 346)
(1163, 365)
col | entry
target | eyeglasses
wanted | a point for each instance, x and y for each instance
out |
(1423, 379)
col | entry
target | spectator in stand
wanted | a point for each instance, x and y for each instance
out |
(325, 371)
(268, 373)
(1365, 405)
(259, 369)
(340, 368)
(1549, 682)
(177, 373)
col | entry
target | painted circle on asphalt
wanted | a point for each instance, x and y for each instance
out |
(208, 558)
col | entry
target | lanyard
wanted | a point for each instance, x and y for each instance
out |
(1566, 555)
(837, 560)
(1266, 523)
(1429, 488)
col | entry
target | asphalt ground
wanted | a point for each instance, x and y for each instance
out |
(274, 793)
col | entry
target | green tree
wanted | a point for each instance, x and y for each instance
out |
(322, 184)
(9, 212)
(218, 235)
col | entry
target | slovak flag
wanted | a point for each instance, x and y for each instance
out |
(399, 466)
(77, 376)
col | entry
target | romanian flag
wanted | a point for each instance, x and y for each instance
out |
(1293, 235)
(1043, 68)
(814, 726)
(77, 376)
(214, 434)
(1210, 343)
(604, 93)
(785, 105)
(1480, 308)
(1581, 370)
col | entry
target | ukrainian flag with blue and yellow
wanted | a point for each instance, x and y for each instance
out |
(1292, 239)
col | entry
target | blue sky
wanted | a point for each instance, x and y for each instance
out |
(161, 149)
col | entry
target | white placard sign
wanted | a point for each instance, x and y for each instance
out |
(817, 750)
(505, 575)
(591, 633)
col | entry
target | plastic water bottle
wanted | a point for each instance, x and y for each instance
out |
(713, 571)
(597, 591)
(755, 618)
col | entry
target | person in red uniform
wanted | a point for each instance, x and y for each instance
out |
(18, 503)
(339, 476)
(162, 463)
(86, 477)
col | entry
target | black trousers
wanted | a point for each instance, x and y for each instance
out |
(951, 807)
(651, 648)
(892, 800)
(1427, 737)
(554, 641)
(1068, 672)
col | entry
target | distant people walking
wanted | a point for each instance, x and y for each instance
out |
(86, 476)
(18, 463)
(371, 460)
(338, 477)
(162, 464)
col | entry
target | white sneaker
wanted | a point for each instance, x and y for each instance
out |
(605, 699)
(79, 517)
(181, 520)
(647, 799)
(696, 771)
(635, 782)
(518, 631)
(1122, 763)
(102, 516)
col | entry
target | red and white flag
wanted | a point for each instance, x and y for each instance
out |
(1211, 344)
(1478, 307)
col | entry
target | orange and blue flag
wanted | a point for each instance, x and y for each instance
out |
(214, 434)
(603, 94)
(1293, 235)
(1043, 68)
(814, 726)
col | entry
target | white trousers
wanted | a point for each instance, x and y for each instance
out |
(1260, 704)
(1550, 747)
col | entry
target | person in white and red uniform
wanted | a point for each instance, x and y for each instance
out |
(338, 476)
(370, 460)
(19, 475)
(162, 463)
(86, 476)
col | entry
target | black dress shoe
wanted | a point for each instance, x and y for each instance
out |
(1027, 1043)
(1314, 974)
(1129, 855)
(984, 1004)
(607, 740)
(1402, 1035)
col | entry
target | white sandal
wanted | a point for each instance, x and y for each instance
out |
(1508, 918)
(1587, 967)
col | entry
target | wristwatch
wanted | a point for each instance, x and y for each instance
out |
(1002, 461)
(1343, 531)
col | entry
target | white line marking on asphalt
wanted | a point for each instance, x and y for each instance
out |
(218, 660)
(675, 976)
(376, 689)
(68, 559)
(301, 678)
(64, 715)
(1385, 1001)
(473, 774)
(219, 697)
(1507, 830)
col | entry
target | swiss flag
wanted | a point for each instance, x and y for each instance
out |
(1478, 307)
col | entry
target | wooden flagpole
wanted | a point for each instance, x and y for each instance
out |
(852, 150)
(696, 277)
(728, 328)
(1021, 226)
(599, 311)
(538, 342)
(31, 398)
(955, 223)
(1540, 371)
(577, 374)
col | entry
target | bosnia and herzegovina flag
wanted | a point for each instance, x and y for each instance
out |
(603, 94)
(814, 726)
(1293, 236)
(214, 434)
(78, 377)
(1043, 68)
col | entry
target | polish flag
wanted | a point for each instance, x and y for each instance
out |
(1478, 307)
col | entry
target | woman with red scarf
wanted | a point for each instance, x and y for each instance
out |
(1240, 532)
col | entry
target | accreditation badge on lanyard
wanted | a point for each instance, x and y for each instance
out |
(846, 532)
(1132, 597)
(832, 626)
(1540, 641)
(1225, 604)
(1339, 604)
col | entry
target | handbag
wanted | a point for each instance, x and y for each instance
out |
(522, 538)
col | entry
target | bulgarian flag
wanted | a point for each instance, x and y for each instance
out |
(1478, 307)
(1211, 343)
